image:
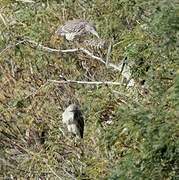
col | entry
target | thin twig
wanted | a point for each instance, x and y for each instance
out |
(12, 68)
(11, 46)
(26, 1)
(45, 48)
(123, 64)
(108, 53)
(48, 49)
(91, 55)
(37, 90)
(53, 171)
(3, 20)
(71, 176)
(86, 82)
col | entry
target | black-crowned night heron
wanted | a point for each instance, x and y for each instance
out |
(73, 119)
(96, 43)
(126, 73)
(76, 28)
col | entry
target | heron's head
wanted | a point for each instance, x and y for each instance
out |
(73, 108)
(90, 28)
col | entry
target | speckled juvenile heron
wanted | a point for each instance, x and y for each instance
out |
(73, 119)
(76, 28)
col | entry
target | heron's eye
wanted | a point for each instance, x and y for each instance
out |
(92, 29)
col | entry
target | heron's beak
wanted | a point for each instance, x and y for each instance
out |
(95, 33)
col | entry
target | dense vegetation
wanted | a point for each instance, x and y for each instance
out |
(130, 132)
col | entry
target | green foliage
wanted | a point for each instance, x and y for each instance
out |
(128, 134)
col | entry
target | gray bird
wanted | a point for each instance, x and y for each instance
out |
(73, 119)
(76, 28)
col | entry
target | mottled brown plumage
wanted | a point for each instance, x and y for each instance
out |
(76, 28)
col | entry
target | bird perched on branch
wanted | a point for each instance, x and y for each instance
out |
(76, 28)
(73, 119)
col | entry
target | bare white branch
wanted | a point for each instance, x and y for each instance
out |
(74, 50)
(91, 55)
(48, 49)
(86, 82)
(26, 1)
(108, 53)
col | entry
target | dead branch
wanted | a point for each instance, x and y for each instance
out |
(26, 1)
(108, 53)
(3, 20)
(86, 82)
(11, 46)
(52, 50)
(74, 50)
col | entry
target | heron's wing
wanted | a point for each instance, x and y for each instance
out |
(80, 122)
(74, 26)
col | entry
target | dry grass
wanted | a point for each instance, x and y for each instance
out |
(34, 143)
